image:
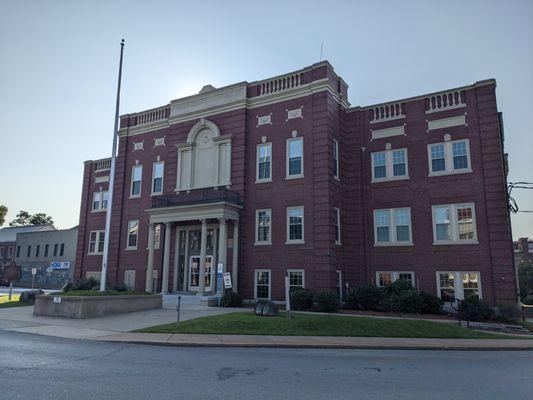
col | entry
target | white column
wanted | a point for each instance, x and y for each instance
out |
(203, 253)
(166, 260)
(176, 261)
(150, 268)
(235, 266)
(222, 246)
(186, 265)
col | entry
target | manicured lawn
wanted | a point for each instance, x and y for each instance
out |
(97, 293)
(246, 323)
(5, 303)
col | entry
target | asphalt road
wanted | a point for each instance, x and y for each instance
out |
(38, 367)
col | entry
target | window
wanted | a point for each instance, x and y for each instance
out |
(335, 159)
(264, 162)
(389, 165)
(454, 224)
(458, 285)
(55, 249)
(295, 158)
(28, 254)
(100, 200)
(263, 234)
(133, 231)
(262, 284)
(136, 179)
(62, 250)
(37, 250)
(450, 157)
(296, 278)
(157, 177)
(337, 223)
(295, 225)
(96, 243)
(2, 251)
(392, 227)
(18, 251)
(46, 250)
(387, 278)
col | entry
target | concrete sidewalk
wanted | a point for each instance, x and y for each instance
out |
(332, 342)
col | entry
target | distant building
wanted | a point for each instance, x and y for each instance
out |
(523, 250)
(8, 237)
(51, 252)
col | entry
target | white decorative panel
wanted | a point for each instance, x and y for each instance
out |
(264, 120)
(296, 113)
(159, 141)
(446, 122)
(138, 145)
(184, 173)
(101, 179)
(388, 132)
(224, 163)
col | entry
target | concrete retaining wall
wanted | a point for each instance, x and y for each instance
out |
(93, 306)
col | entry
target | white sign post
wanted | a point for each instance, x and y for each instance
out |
(33, 273)
(287, 296)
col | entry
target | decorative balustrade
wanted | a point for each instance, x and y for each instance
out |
(200, 196)
(445, 101)
(151, 116)
(387, 112)
(280, 84)
(102, 165)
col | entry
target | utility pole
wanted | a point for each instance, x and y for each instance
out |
(105, 256)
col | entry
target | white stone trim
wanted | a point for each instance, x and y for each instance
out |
(388, 132)
(447, 122)
(294, 113)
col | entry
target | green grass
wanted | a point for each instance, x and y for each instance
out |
(4, 298)
(97, 293)
(320, 325)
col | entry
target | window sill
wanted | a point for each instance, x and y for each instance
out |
(454, 242)
(338, 243)
(94, 254)
(263, 180)
(135, 197)
(399, 178)
(393, 244)
(290, 177)
(295, 242)
(101, 210)
(337, 178)
(262, 243)
(130, 248)
(156, 194)
(444, 173)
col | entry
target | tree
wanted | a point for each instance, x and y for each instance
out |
(24, 218)
(3, 212)
(525, 278)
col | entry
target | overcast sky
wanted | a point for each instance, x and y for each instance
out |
(58, 65)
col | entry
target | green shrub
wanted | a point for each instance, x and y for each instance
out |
(432, 303)
(400, 286)
(472, 309)
(528, 300)
(120, 288)
(301, 299)
(67, 286)
(83, 284)
(230, 299)
(406, 301)
(364, 297)
(525, 279)
(326, 302)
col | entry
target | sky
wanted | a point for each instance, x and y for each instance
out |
(59, 60)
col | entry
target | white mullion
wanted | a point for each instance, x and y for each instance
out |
(389, 164)
(448, 156)
(392, 223)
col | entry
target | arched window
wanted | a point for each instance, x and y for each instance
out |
(205, 159)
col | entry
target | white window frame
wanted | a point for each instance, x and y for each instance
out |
(269, 283)
(154, 177)
(336, 158)
(454, 228)
(287, 154)
(100, 194)
(389, 166)
(96, 243)
(338, 226)
(296, 270)
(448, 158)
(131, 222)
(263, 242)
(257, 157)
(133, 167)
(393, 240)
(295, 241)
(395, 275)
(458, 282)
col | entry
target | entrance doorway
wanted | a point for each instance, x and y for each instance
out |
(194, 273)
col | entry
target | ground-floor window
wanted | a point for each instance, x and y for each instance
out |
(262, 284)
(296, 278)
(387, 278)
(452, 285)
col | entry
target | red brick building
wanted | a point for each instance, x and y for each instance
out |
(284, 176)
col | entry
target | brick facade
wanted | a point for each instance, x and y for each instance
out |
(326, 116)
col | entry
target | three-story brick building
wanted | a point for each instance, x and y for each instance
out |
(283, 176)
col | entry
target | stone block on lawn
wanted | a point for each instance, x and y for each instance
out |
(29, 296)
(265, 308)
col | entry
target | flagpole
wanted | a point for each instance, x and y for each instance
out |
(105, 256)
